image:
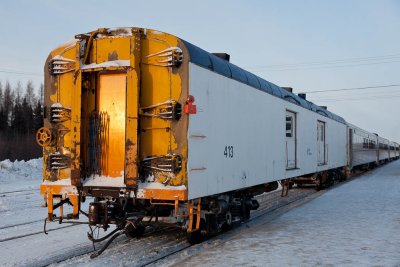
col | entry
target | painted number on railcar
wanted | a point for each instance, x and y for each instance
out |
(228, 151)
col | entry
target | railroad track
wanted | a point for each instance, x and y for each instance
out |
(272, 205)
(268, 203)
(2, 194)
(34, 233)
(159, 246)
(20, 224)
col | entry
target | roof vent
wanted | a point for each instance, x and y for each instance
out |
(324, 107)
(302, 95)
(289, 89)
(224, 56)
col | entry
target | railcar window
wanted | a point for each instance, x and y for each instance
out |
(289, 126)
(371, 144)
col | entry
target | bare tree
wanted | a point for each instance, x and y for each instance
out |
(30, 94)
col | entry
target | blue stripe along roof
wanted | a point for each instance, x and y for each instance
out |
(209, 61)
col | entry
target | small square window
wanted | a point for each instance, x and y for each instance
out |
(289, 126)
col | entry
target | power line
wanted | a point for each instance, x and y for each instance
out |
(357, 99)
(350, 89)
(20, 72)
(325, 62)
(329, 67)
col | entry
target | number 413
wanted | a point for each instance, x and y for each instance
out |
(228, 151)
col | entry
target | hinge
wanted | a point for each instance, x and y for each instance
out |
(59, 114)
(167, 163)
(170, 57)
(169, 110)
(60, 65)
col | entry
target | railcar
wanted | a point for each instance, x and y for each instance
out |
(155, 130)
(393, 150)
(363, 147)
(396, 150)
(384, 150)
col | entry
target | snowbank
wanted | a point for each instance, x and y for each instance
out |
(20, 175)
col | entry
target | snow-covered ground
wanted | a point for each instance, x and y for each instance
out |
(354, 224)
(21, 216)
(19, 191)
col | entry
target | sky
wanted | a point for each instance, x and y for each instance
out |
(314, 45)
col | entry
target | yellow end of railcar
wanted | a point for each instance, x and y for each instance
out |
(112, 106)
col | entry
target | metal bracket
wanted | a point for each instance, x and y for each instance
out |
(169, 110)
(60, 65)
(58, 161)
(170, 57)
(167, 163)
(59, 114)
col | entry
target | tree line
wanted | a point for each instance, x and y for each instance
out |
(21, 115)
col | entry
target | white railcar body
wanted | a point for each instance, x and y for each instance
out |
(384, 153)
(363, 146)
(238, 138)
(392, 150)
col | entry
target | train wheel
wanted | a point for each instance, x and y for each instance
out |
(133, 229)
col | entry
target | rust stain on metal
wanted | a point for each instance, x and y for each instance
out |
(113, 56)
(197, 136)
(198, 169)
(131, 163)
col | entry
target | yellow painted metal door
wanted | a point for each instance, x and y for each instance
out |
(112, 101)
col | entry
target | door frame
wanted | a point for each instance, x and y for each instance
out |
(325, 158)
(294, 133)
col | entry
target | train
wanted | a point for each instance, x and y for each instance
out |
(155, 130)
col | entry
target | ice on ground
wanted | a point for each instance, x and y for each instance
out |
(355, 224)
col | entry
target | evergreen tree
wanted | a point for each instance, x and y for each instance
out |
(7, 105)
(3, 120)
(20, 118)
(27, 117)
(18, 93)
(1, 93)
(37, 116)
(17, 117)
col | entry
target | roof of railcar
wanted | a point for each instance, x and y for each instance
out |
(209, 61)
